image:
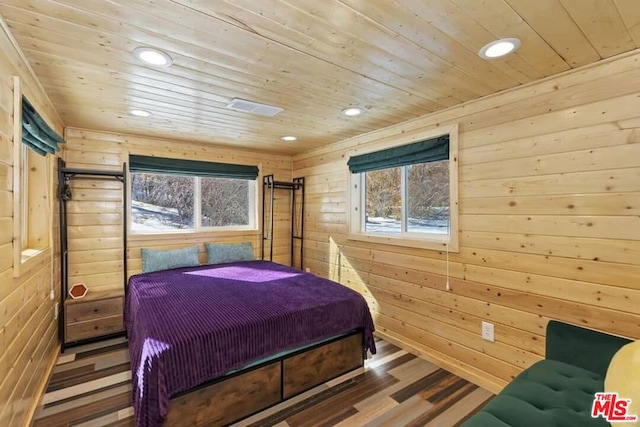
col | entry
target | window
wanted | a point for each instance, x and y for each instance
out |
(24, 195)
(407, 199)
(407, 195)
(35, 183)
(161, 202)
(33, 139)
(227, 202)
(176, 201)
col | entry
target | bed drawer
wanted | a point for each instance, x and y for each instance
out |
(90, 310)
(94, 328)
(228, 400)
(316, 366)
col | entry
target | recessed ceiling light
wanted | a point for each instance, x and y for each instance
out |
(140, 113)
(152, 56)
(288, 138)
(499, 48)
(352, 111)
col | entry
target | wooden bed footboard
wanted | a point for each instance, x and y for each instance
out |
(243, 393)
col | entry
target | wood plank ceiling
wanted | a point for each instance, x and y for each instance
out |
(399, 59)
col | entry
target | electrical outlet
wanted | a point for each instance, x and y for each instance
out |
(56, 309)
(52, 295)
(308, 270)
(487, 331)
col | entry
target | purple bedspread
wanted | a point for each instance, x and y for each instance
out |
(190, 325)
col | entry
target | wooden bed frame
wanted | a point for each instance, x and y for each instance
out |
(243, 393)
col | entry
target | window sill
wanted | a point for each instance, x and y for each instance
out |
(30, 258)
(182, 234)
(433, 242)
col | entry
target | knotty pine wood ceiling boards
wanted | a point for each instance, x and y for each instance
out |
(397, 58)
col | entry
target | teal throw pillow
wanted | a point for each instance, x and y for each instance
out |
(165, 259)
(218, 253)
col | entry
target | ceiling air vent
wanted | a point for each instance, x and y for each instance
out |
(253, 107)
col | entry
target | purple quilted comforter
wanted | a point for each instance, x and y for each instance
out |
(190, 325)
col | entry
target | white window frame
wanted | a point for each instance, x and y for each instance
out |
(25, 257)
(434, 241)
(197, 219)
(253, 208)
(24, 195)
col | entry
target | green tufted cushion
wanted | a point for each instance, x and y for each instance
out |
(218, 253)
(550, 394)
(582, 347)
(165, 259)
(558, 391)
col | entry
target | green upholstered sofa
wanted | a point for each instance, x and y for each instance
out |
(559, 390)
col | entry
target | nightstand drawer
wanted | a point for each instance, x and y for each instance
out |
(89, 310)
(94, 328)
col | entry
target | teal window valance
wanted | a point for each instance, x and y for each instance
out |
(36, 133)
(430, 150)
(162, 165)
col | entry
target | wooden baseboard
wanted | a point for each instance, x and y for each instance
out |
(42, 387)
(492, 384)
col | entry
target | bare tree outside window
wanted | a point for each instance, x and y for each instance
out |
(161, 202)
(167, 202)
(426, 199)
(383, 200)
(225, 202)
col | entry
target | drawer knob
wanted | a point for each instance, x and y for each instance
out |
(95, 327)
(95, 310)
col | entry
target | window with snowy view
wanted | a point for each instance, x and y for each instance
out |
(161, 203)
(406, 193)
(407, 199)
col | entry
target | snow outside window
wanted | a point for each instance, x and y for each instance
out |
(411, 199)
(163, 203)
(398, 200)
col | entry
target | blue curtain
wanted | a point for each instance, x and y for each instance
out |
(430, 150)
(36, 133)
(162, 165)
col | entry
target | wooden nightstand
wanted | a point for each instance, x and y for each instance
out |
(96, 315)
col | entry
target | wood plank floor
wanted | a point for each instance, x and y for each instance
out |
(91, 387)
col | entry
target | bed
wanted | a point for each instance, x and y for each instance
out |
(213, 344)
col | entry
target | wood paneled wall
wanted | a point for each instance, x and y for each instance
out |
(28, 331)
(95, 219)
(549, 224)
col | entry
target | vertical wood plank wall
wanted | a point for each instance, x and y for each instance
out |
(28, 331)
(95, 220)
(549, 224)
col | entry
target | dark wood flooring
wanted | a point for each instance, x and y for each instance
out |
(91, 387)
